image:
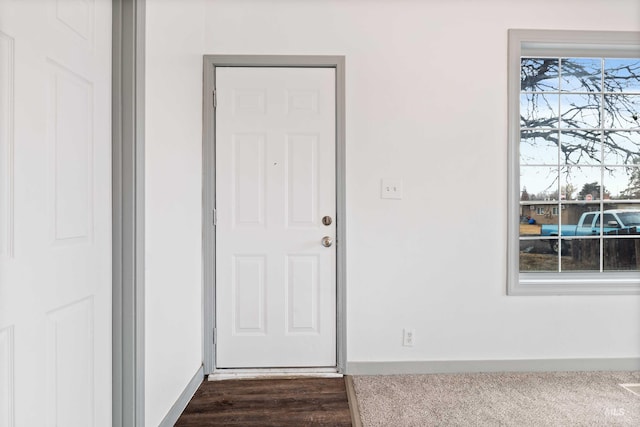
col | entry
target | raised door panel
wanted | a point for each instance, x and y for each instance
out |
(248, 193)
(249, 304)
(302, 180)
(302, 299)
(71, 155)
(70, 365)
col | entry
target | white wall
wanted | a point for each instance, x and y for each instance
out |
(173, 288)
(426, 102)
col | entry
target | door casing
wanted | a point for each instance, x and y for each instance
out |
(127, 130)
(210, 62)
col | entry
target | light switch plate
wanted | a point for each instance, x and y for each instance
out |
(391, 189)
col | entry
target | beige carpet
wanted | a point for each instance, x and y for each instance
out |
(493, 399)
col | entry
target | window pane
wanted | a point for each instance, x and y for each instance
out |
(539, 74)
(538, 255)
(538, 110)
(528, 228)
(585, 180)
(627, 215)
(581, 74)
(581, 255)
(621, 254)
(622, 148)
(581, 147)
(539, 147)
(571, 214)
(622, 75)
(539, 246)
(538, 220)
(622, 183)
(540, 183)
(622, 111)
(580, 111)
(609, 225)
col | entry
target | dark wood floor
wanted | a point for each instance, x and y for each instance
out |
(269, 402)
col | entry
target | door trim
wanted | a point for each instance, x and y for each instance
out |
(127, 127)
(210, 62)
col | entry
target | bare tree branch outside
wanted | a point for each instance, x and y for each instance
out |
(579, 112)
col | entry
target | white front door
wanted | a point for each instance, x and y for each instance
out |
(275, 182)
(55, 213)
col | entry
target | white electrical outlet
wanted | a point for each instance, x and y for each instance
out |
(391, 189)
(408, 337)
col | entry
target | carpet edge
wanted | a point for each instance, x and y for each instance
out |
(511, 365)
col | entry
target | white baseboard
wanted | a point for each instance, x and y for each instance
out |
(467, 366)
(182, 402)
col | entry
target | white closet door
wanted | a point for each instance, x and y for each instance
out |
(55, 213)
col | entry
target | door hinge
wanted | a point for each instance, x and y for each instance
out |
(214, 335)
(215, 99)
(215, 217)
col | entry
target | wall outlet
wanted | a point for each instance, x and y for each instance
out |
(408, 337)
(391, 189)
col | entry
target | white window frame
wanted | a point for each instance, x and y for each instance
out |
(613, 44)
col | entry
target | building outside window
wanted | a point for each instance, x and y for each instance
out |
(574, 162)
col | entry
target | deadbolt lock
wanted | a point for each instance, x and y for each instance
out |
(326, 220)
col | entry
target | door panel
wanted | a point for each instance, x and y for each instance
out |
(302, 299)
(275, 180)
(248, 180)
(55, 213)
(302, 180)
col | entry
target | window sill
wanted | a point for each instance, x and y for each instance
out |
(618, 283)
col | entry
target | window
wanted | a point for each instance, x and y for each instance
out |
(574, 144)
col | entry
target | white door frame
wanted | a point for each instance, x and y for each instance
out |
(208, 162)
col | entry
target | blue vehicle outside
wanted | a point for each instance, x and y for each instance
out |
(622, 221)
